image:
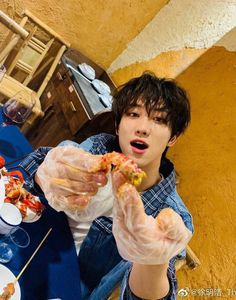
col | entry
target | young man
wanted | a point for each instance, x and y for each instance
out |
(150, 226)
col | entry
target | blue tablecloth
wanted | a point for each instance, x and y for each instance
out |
(13, 144)
(54, 271)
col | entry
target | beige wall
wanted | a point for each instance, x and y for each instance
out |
(206, 160)
(100, 29)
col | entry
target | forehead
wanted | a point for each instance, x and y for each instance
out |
(150, 107)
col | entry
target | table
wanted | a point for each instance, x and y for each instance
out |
(13, 144)
(54, 271)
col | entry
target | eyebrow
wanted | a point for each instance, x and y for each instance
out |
(159, 109)
(163, 109)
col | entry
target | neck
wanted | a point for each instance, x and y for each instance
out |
(153, 177)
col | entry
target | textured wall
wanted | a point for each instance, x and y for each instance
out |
(180, 24)
(100, 29)
(206, 160)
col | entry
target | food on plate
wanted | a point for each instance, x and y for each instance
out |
(29, 205)
(8, 291)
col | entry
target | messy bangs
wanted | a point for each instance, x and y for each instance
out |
(155, 94)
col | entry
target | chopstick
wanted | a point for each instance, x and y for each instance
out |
(31, 257)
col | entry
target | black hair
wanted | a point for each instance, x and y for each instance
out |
(155, 93)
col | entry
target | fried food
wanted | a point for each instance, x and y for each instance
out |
(127, 167)
(8, 291)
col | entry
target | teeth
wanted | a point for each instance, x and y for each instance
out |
(139, 145)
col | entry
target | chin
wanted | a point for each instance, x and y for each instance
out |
(140, 161)
(137, 158)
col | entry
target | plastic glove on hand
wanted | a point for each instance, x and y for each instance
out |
(141, 238)
(69, 177)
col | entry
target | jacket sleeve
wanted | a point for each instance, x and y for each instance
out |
(30, 166)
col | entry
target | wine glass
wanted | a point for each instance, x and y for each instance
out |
(2, 71)
(10, 243)
(17, 109)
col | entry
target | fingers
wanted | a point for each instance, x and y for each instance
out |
(172, 225)
(80, 201)
(130, 207)
(76, 157)
(73, 164)
(59, 174)
(117, 180)
(70, 203)
(70, 187)
(72, 173)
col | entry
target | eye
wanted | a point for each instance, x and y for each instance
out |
(159, 120)
(132, 114)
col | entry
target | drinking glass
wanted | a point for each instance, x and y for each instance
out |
(9, 244)
(17, 109)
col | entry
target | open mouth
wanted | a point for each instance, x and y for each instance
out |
(139, 145)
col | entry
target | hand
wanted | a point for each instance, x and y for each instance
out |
(141, 238)
(69, 177)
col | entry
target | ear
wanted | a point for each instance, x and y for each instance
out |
(172, 141)
(117, 129)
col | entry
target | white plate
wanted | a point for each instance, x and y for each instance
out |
(31, 217)
(101, 87)
(78, 72)
(6, 276)
(87, 70)
(2, 191)
(106, 100)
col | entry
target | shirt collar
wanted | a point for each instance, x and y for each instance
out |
(155, 197)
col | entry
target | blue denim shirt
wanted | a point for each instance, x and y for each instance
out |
(101, 267)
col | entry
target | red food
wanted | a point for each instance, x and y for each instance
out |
(2, 162)
(17, 195)
(129, 168)
(15, 173)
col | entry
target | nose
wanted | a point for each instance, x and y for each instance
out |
(142, 133)
(142, 129)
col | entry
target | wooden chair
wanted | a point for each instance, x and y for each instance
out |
(29, 56)
(190, 262)
(33, 57)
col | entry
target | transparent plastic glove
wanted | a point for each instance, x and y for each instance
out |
(70, 177)
(141, 238)
(99, 205)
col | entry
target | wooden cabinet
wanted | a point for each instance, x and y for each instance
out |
(70, 102)
(66, 106)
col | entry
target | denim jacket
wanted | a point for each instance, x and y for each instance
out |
(101, 267)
